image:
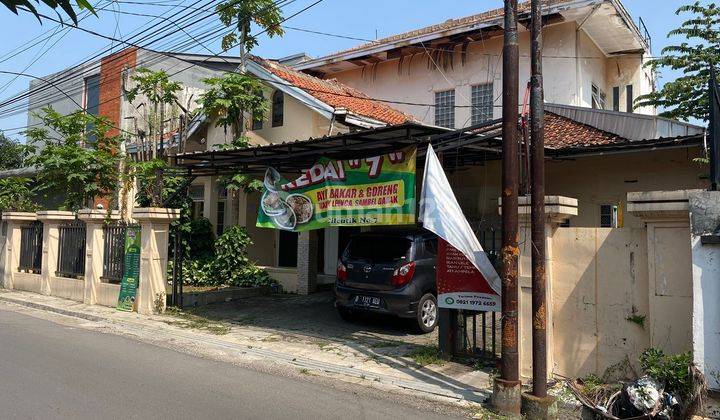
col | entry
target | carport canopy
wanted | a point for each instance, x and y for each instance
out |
(469, 145)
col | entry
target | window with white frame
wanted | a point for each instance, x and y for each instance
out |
(598, 97)
(445, 109)
(197, 195)
(482, 103)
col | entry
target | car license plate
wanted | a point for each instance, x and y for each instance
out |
(367, 301)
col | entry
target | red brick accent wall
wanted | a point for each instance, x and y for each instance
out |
(111, 68)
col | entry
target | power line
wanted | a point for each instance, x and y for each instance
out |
(192, 64)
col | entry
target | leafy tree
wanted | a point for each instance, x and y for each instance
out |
(12, 153)
(69, 165)
(65, 5)
(240, 15)
(686, 97)
(160, 91)
(230, 97)
(16, 195)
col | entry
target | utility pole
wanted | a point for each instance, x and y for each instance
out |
(506, 390)
(538, 405)
(537, 165)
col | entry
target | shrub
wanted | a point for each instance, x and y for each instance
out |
(671, 370)
(201, 238)
(231, 262)
(16, 195)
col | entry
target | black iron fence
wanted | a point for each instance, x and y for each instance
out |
(481, 330)
(71, 249)
(114, 251)
(31, 240)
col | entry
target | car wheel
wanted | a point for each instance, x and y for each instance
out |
(427, 313)
(346, 314)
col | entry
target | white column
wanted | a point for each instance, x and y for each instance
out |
(51, 220)
(94, 249)
(11, 248)
(155, 226)
(332, 237)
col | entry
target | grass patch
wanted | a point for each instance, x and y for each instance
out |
(426, 355)
(194, 322)
(324, 345)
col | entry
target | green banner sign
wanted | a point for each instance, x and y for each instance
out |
(131, 276)
(374, 191)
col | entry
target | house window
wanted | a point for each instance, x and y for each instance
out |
(629, 99)
(278, 105)
(608, 216)
(616, 98)
(197, 195)
(92, 100)
(598, 98)
(220, 216)
(445, 109)
(482, 103)
(257, 124)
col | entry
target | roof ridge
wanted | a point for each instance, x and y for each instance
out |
(334, 93)
(474, 18)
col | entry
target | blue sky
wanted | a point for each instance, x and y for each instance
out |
(359, 19)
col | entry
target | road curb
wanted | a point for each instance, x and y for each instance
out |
(53, 309)
(469, 395)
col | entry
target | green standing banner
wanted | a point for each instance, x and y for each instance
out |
(131, 275)
(374, 191)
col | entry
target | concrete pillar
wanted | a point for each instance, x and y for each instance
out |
(155, 226)
(667, 220)
(332, 242)
(307, 262)
(51, 220)
(94, 249)
(11, 248)
(557, 210)
(705, 245)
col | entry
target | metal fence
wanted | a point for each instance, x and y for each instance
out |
(114, 251)
(31, 239)
(71, 249)
(481, 330)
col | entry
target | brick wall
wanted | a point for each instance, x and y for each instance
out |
(111, 68)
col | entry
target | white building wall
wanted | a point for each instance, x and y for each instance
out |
(571, 63)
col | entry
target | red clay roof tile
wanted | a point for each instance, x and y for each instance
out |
(335, 94)
(564, 133)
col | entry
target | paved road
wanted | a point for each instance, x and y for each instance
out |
(57, 371)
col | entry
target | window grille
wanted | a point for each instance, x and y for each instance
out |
(445, 109)
(598, 98)
(482, 103)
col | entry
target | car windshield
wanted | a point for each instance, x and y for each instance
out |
(378, 248)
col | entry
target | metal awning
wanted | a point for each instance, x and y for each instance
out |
(467, 146)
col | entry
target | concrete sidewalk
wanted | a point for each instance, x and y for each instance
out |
(380, 364)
